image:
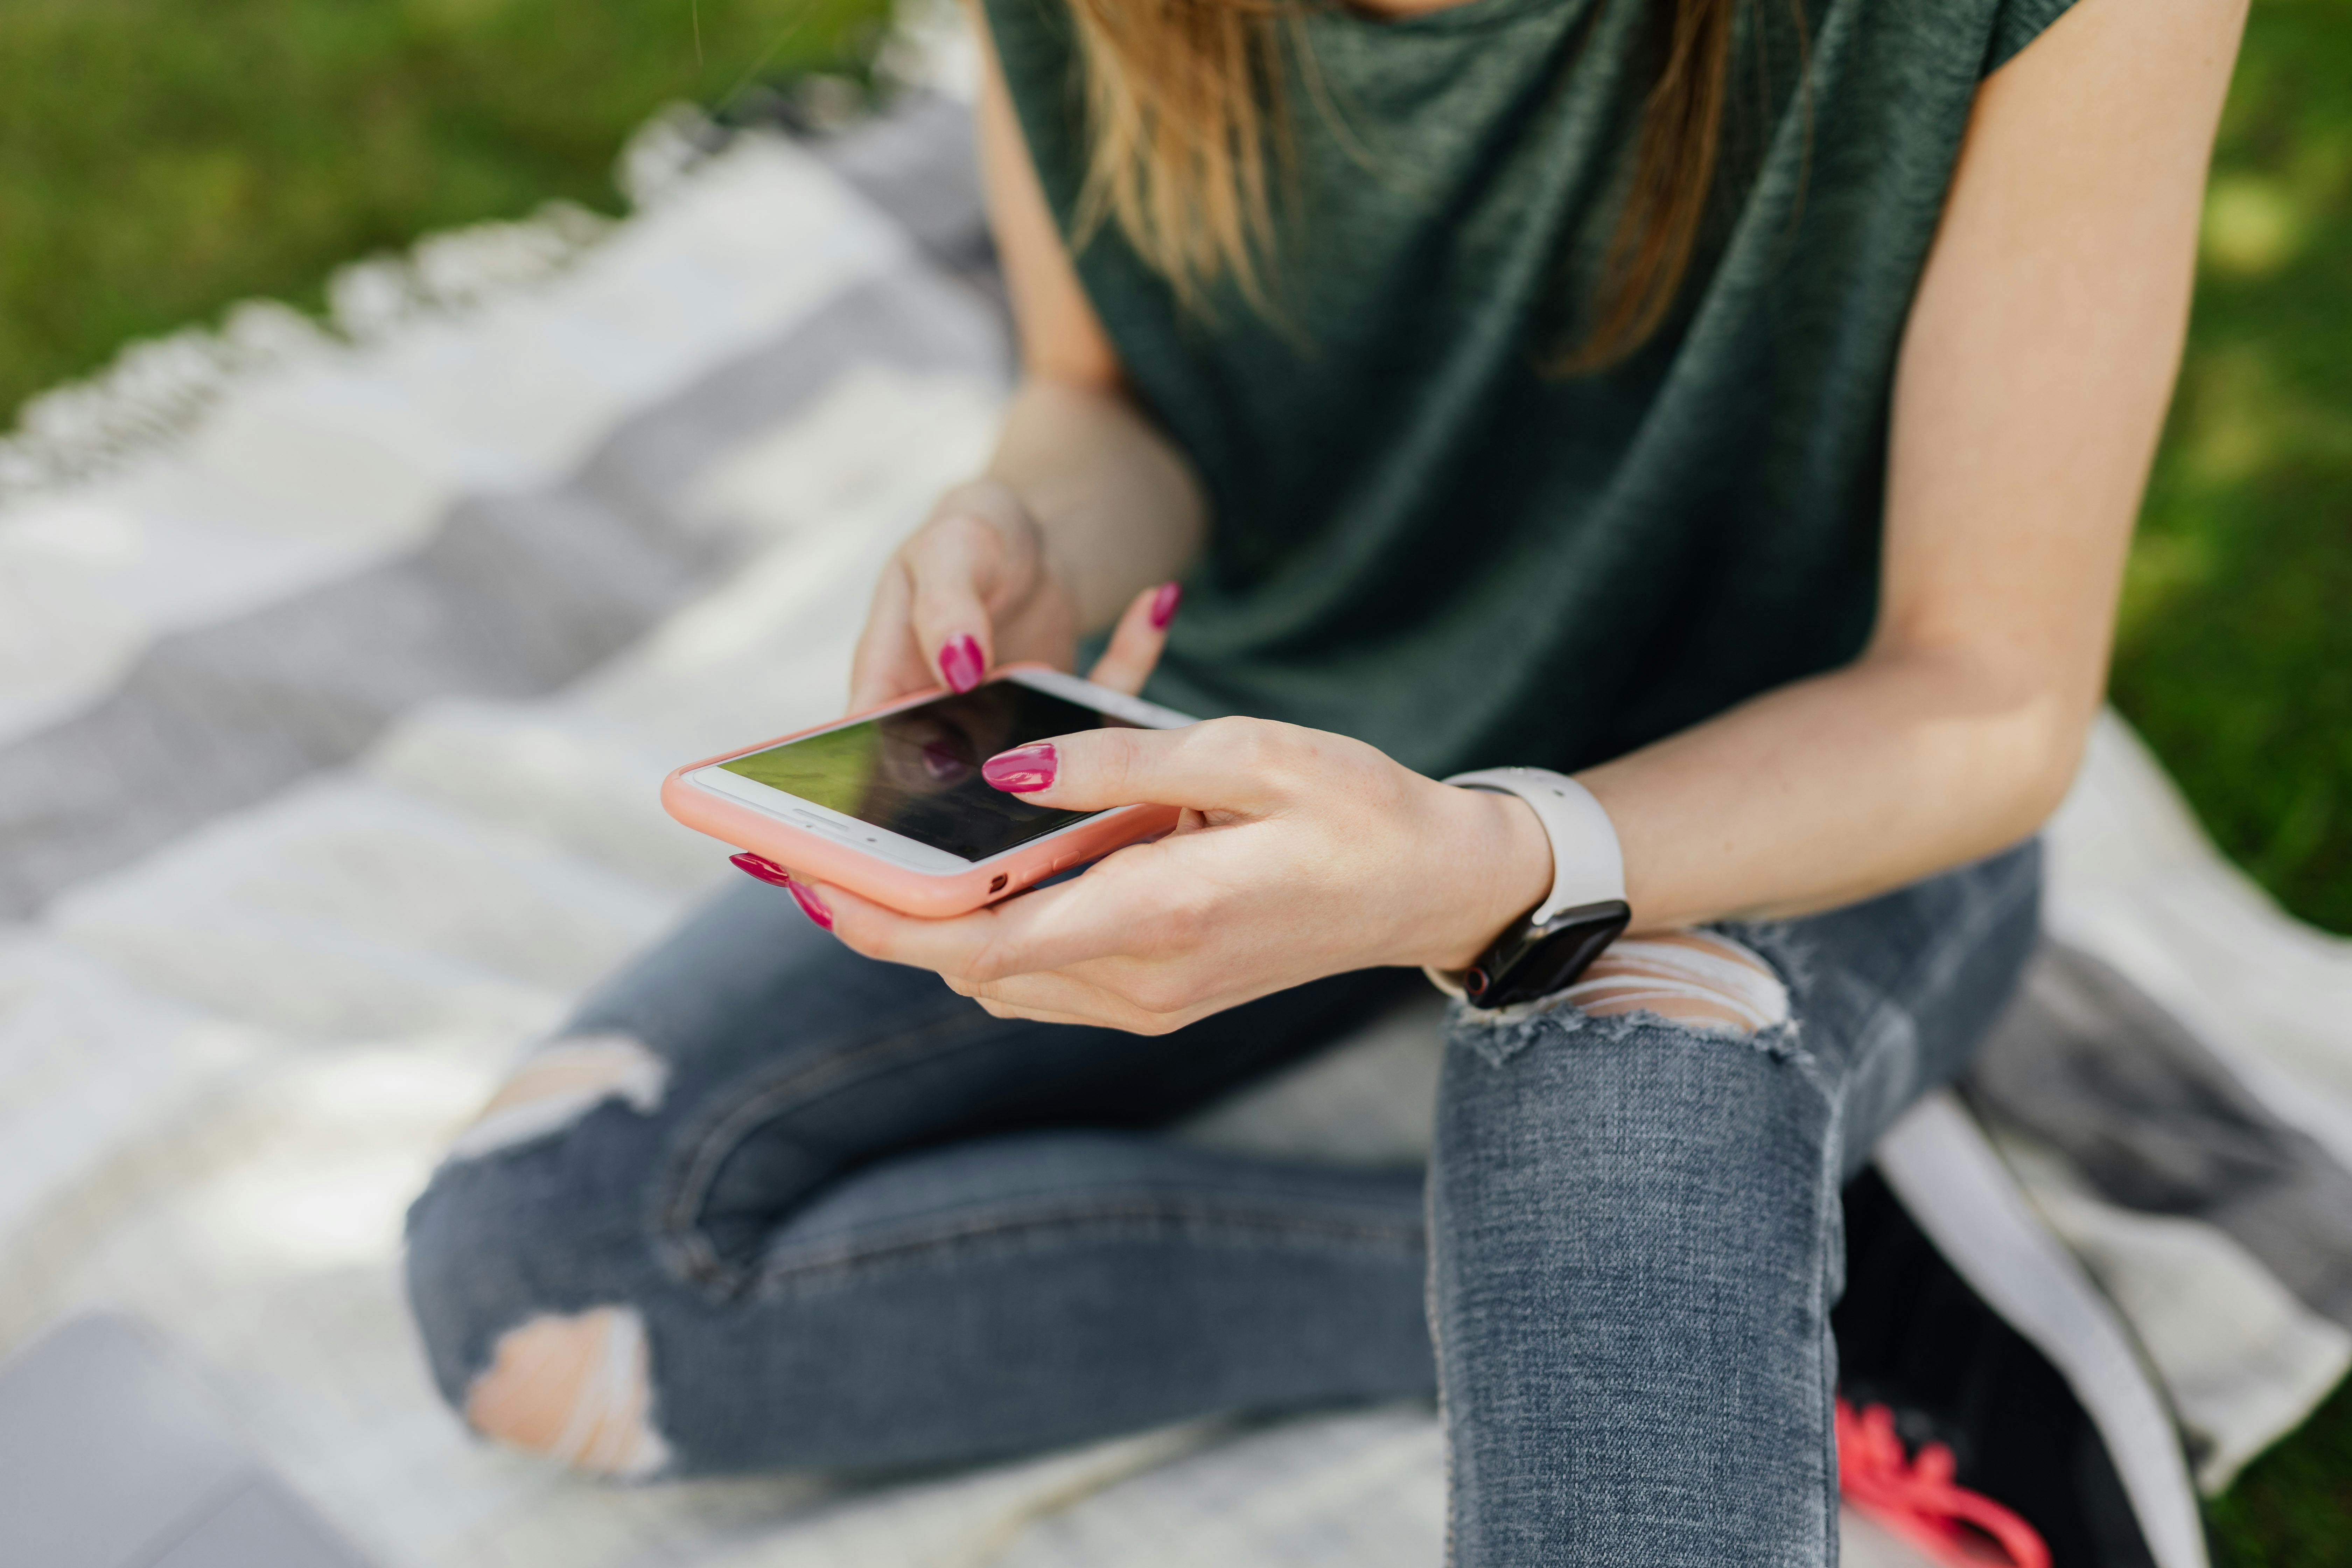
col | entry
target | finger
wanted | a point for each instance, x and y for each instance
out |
(888, 663)
(1052, 927)
(1085, 1010)
(1135, 643)
(1248, 765)
(880, 931)
(1135, 995)
(1056, 998)
(952, 567)
(1075, 1005)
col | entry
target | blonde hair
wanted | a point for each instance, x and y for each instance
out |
(1188, 127)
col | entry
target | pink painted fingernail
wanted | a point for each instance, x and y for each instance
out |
(960, 664)
(810, 905)
(760, 866)
(1022, 770)
(1164, 603)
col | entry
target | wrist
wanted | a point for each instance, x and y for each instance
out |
(1498, 867)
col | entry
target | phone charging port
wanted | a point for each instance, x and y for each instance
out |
(998, 885)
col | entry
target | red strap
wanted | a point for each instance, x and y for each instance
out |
(1914, 1497)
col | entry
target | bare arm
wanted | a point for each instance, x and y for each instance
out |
(2034, 374)
(1084, 504)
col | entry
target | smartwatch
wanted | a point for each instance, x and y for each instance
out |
(1546, 949)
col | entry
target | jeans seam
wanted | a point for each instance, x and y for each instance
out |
(855, 1256)
(1430, 1309)
(1828, 1202)
(681, 1243)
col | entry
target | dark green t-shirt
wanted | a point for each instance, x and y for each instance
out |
(1419, 537)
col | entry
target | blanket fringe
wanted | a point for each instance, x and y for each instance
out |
(155, 391)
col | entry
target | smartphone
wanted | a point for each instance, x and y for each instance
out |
(890, 805)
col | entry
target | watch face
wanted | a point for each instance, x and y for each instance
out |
(1529, 962)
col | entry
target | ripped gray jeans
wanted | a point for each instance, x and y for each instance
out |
(766, 1204)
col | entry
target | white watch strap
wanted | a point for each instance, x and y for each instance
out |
(1587, 866)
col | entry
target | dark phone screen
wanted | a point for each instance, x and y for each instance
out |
(917, 771)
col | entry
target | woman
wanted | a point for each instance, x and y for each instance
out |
(1743, 411)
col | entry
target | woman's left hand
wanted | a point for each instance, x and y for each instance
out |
(1299, 854)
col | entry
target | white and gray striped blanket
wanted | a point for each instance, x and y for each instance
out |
(337, 673)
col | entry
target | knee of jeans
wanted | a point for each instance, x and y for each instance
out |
(1698, 982)
(1701, 979)
(558, 1084)
(577, 1388)
(574, 1385)
(495, 1226)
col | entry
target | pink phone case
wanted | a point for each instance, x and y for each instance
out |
(901, 888)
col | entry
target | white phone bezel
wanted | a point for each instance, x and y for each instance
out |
(895, 847)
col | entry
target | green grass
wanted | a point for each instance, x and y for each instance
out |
(158, 161)
(2236, 652)
(2293, 1507)
(2235, 655)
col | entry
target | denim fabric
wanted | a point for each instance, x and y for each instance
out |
(1638, 1238)
(864, 1223)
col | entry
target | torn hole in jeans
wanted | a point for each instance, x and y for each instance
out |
(1700, 979)
(1703, 981)
(576, 1388)
(560, 1082)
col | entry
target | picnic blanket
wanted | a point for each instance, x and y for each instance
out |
(339, 665)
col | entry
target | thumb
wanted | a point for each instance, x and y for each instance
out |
(1135, 643)
(1246, 766)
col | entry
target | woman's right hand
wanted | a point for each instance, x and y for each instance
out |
(976, 587)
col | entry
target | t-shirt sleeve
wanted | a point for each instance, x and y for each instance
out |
(2018, 24)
